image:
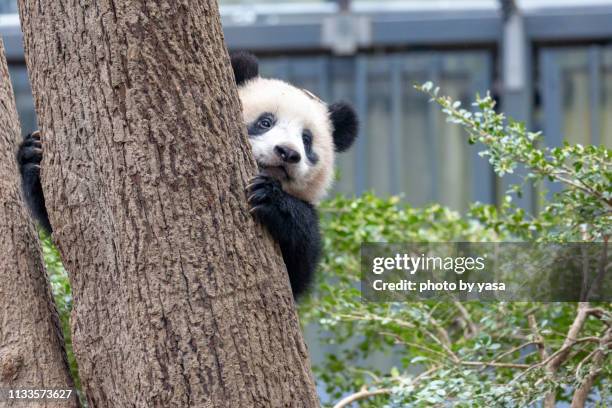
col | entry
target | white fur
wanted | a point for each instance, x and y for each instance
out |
(295, 111)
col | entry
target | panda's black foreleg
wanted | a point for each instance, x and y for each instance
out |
(293, 223)
(29, 156)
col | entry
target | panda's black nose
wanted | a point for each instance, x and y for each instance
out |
(287, 154)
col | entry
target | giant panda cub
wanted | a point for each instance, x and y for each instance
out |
(294, 137)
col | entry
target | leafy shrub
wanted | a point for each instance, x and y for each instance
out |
(470, 354)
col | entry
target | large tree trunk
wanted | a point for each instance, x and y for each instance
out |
(31, 342)
(180, 299)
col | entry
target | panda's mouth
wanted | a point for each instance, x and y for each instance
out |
(277, 172)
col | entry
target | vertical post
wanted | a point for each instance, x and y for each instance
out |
(324, 80)
(434, 69)
(595, 93)
(483, 178)
(361, 97)
(397, 92)
(517, 92)
(551, 99)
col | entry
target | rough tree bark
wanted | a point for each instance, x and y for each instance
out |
(180, 299)
(31, 342)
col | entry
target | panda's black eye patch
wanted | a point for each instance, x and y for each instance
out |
(307, 140)
(307, 137)
(264, 122)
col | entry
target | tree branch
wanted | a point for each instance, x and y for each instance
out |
(472, 327)
(494, 364)
(363, 394)
(555, 361)
(559, 356)
(537, 337)
(599, 356)
(572, 336)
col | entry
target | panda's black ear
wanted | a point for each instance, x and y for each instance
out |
(346, 125)
(245, 66)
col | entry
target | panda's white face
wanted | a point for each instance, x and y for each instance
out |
(291, 135)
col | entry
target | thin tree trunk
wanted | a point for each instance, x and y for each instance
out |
(31, 342)
(582, 392)
(180, 299)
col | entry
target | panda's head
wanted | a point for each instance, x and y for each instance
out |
(294, 135)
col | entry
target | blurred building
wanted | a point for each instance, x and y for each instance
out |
(548, 62)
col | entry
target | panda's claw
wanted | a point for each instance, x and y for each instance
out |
(261, 182)
(30, 151)
(252, 199)
(258, 180)
(262, 191)
(252, 184)
(258, 196)
(29, 142)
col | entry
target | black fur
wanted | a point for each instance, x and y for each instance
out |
(346, 125)
(293, 223)
(245, 66)
(29, 156)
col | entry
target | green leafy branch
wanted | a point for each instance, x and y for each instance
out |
(585, 203)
